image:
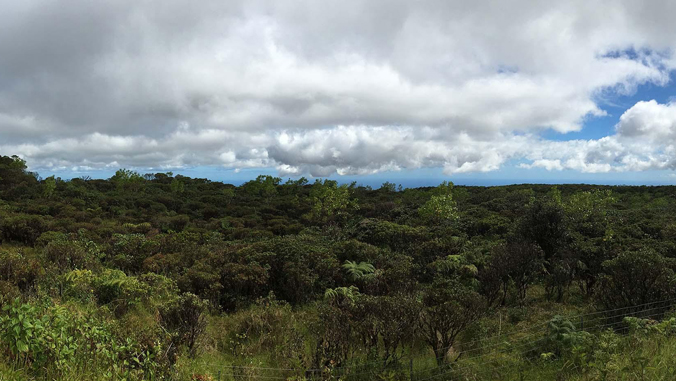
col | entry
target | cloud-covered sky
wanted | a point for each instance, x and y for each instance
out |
(347, 87)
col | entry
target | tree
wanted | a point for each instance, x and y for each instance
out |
(15, 180)
(448, 308)
(543, 223)
(263, 186)
(12, 169)
(635, 278)
(525, 264)
(517, 263)
(385, 323)
(331, 203)
(334, 326)
(591, 234)
(177, 186)
(388, 187)
(440, 207)
(228, 195)
(126, 179)
(298, 268)
(561, 273)
(49, 187)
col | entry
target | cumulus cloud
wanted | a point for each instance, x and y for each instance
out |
(644, 140)
(648, 120)
(331, 87)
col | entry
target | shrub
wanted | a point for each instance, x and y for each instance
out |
(54, 340)
(67, 255)
(17, 269)
(128, 251)
(47, 237)
(517, 264)
(448, 308)
(8, 292)
(175, 223)
(22, 228)
(385, 324)
(635, 278)
(562, 336)
(185, 319)
(119, 291)
(140, 228)
(268, 325)
(388, 234)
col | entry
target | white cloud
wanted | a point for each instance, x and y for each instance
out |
(544, 163)
(648, 120)
(327, 87)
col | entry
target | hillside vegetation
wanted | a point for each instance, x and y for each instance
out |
(165, 277)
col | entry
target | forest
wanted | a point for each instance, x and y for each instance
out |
(165, 277)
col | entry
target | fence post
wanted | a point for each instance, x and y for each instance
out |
(410, 368)
(218, 378)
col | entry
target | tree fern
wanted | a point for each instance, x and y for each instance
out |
(361, 270)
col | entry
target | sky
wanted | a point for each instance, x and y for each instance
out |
(413, 92)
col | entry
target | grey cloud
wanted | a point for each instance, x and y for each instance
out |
(325, 87)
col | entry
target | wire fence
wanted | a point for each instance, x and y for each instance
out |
(490, 352)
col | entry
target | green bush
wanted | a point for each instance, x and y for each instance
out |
(635, 278)
(47, 237)
(19, 269)
(53, 341)
(185, 318)
(68, 255)
(22, 228)
(269, 325)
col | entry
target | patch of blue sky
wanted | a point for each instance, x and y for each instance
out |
(615, 104)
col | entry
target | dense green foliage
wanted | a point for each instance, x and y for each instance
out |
(166, 277)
